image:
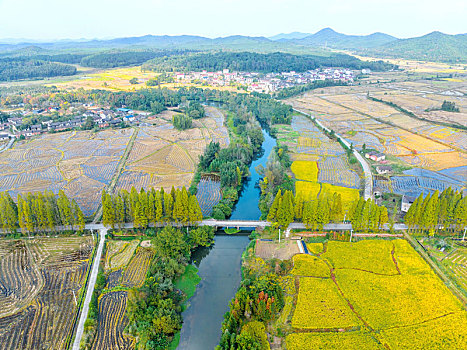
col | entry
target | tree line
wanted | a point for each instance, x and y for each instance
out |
(143, 209)
(39, 212)
(326, 208)
(258, 62)
(446, 210)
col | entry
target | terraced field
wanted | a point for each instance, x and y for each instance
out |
(126, 264)
(164, 157)
(81, 163)
(209, 194)
(371, 295)
(39, 283)
(381, 127)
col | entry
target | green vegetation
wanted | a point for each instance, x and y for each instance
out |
(299, 89)
(188, 281)
(25, 68)
(447, 211)
(182, 121)
(449, 106)
(39, 212)
(154, 310)
(149, 208)
(257, 62)
(327, 207)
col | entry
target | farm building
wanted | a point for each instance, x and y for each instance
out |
(376, 156)
(383, 169)
(407, 201)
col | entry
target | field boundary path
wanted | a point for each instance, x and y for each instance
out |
(90, 289)
(368, 176)
(118, 172)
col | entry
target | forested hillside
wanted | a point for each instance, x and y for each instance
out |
(256, 62)
(23, 68)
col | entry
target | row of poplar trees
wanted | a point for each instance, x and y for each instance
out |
(38, 212)
(143, 209)
(446, 210)
(326, 208)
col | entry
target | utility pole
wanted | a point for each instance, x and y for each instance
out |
(279, 235)
(463, 237)
(351, 233)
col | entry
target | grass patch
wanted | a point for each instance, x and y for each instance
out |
(188, 281)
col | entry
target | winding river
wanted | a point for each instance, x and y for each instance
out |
(219, 268)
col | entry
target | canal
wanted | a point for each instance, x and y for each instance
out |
(219, 268)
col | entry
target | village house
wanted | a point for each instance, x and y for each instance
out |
(383, 169)
(375, 156)
(4, 137)
(407, 201)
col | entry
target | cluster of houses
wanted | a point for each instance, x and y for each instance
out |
(101, 117)
(264, 83)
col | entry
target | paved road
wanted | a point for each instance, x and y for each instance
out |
(10, 143)
(90, 289)
(368, 190)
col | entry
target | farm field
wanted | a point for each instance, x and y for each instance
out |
(39, 281)
(408, 142)
(320, 164)
(374, 293)
(81, 163)
(209, 193)
(164, 157)
(125, 266)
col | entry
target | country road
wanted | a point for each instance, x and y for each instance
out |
(90, 288)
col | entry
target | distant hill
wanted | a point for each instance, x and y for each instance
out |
(435, 46)
(329, 38)
(289, 36)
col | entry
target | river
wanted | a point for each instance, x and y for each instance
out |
(219, 268)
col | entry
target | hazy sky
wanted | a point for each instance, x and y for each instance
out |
(58, 19)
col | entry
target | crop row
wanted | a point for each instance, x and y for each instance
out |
(335, 170)
(135, 272)
(112, 321)
(208, 195)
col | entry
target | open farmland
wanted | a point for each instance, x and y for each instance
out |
(320, 164)
(377, 294)
(40, 281)
(125, 266)
(81, 163)
(164, 157)
(208, 194)
(438, 153)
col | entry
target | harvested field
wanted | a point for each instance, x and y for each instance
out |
(164, 157)
(126, 265)
(209, 194)
(39, 280)
(81, 163)
(111, 326)
(273, 250)
(415, 142)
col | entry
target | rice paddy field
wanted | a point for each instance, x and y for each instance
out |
(40, 281)
(437, 153)
(162, 156)
(125, 266)
(81, 163)
(319, 163)
(371, 294)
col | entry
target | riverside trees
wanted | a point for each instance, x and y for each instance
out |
(149, 208)
(39, 212)
(326, 208)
